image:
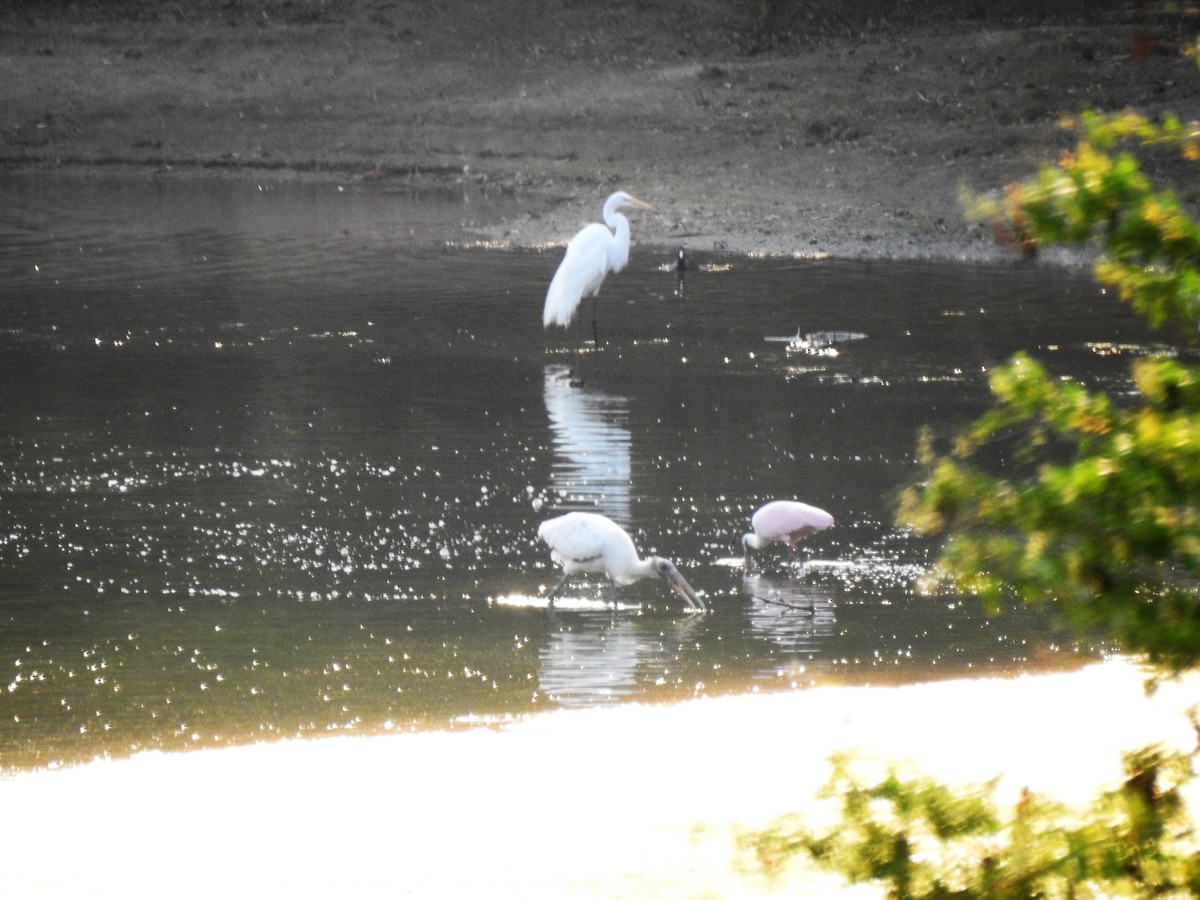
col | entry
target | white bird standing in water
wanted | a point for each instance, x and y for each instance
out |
(785, 522)
(590, 542)
(592, 254)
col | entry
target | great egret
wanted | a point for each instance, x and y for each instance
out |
(590, 542)
(592, 254)
(785, 522)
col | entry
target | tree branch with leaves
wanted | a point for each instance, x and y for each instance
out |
(1094, 504)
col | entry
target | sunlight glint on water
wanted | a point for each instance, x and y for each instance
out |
(274, 458)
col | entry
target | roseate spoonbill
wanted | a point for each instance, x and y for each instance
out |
(783, 521)
(590, 542)
(592, 254)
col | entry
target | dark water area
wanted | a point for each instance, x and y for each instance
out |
(273, 457)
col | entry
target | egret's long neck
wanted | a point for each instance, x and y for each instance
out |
(618, 250)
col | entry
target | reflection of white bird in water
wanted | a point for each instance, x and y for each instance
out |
(592, 254)
(785, 522)
(798, 617)
(592, 445)
(590, 542)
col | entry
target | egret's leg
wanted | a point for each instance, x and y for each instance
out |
(612, 592)
(576, 379)
(595, 328)
(573, 374)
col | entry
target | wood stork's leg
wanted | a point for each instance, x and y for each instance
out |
(554, 590)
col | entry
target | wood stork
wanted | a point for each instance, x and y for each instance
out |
(590, 542)
(785, 522)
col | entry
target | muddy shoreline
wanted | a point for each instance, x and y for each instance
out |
(825, 129)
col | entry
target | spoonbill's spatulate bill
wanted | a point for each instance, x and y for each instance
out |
(589, 542)
(784, 522)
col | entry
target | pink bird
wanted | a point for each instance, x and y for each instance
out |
(785, 522)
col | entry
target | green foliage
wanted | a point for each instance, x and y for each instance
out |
(923, 841)
(1065, 496)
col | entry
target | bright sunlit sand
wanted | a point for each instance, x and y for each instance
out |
(630, 801)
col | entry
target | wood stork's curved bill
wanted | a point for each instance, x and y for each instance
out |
(668, 573)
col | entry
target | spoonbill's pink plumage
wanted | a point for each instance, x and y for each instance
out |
(590, 542)
(785, 522)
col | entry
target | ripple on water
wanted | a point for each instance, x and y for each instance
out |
(256, 484)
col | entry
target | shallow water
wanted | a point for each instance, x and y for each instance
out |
(273, 457)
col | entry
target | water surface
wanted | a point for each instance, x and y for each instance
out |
(273, 457)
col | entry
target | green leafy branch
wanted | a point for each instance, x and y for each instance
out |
(1065, 496)
(923, 841)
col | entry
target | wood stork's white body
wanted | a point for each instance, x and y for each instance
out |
(589, 542)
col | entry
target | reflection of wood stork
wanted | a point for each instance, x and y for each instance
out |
(590, 542)
(592, 254)
(784, 522)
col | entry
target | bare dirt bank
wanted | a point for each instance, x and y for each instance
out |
(840, 128)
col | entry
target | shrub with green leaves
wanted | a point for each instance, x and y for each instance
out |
(1065, 496)
(1073, 498)
(923, 841)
